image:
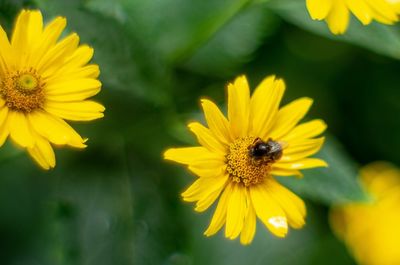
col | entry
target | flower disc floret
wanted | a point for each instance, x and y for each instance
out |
(22, 90)
(241, 166)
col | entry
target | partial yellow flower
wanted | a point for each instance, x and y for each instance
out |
(371, 230)
(336, 13)
(44, 80)
(239, 155)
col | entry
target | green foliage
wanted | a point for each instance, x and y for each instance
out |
(9, 151)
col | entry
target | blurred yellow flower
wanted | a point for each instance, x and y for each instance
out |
(371, 230)
(238, 157)
(42, 82)
(336, 13)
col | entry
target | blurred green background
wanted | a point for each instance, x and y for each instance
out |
(118, 202)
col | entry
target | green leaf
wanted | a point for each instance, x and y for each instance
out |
(333, 185)
(174, 28)
(235, 42)
(377, 37)
(80, 211)
(9, 151)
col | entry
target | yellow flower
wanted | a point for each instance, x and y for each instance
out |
(336, 13)
(44, 80)
(238, 157)
(371, 230)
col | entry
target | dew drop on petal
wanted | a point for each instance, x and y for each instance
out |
(278, 222)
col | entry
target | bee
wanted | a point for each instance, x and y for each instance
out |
(265, 152)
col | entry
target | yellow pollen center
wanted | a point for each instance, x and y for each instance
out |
(27, 82)
(242, 168)
(22, 90)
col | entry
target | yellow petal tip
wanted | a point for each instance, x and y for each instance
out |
(167, 154)
(324, 164)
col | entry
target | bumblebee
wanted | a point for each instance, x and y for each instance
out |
(265, 152)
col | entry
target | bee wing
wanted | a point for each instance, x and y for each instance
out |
(283, 144)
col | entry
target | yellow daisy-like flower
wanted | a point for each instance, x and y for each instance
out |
(371, 230)
(44, 80)
(239, 156)
(336, 13)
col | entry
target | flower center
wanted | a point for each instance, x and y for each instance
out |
(22, 90)
(27, 82)
(242, 166)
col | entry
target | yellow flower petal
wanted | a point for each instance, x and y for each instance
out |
(207, 139)
(219, 217)
(73, 90)
(337, 12)
(302, 149)
(48, 39)
(43, 153)
(87, 72)
(361, 10)
(238, 106)
(81, 56)
(76, 111)
(319, 9)
(55, 57)
(3, 115)
(55, 129)
(212, 164)
(289, 116)
(249, 226)
(4, 131)
(203, 187)
(69, 86)
(73, 65)
(204, 203)
(19, 36)
(285, 172)
(216, 121)
(264, 105)
(382, 18)
(301, 164)
(380, 177)
(291, 204)
(193, 156)
(206, 171)
(34, 30)
(236, 211)
(6, 58)
(268, 211)
(306, 130)
(383, 9)
(20, 131)
(339, 17)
